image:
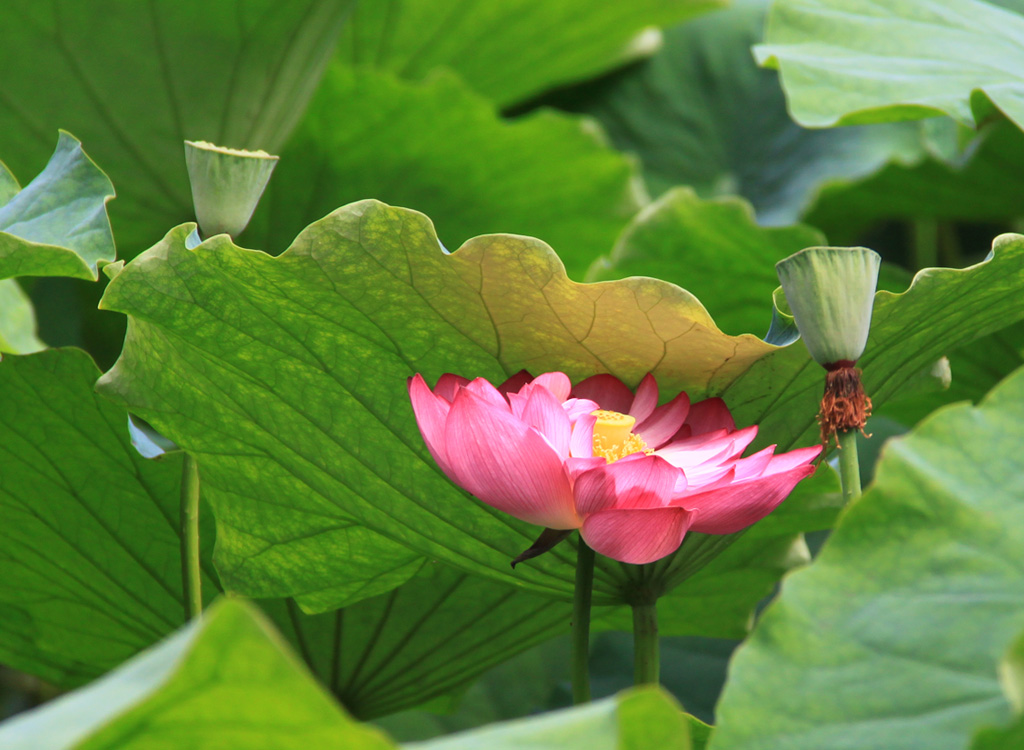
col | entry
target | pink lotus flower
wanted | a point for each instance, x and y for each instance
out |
(632, 476)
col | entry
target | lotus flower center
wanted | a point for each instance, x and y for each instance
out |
(613, 436)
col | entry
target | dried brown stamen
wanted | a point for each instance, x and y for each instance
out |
(844, 405)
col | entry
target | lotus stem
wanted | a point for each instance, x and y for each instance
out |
(849, 465)
(926, 243)
(949, 242)
(191, 577)
(645, 643)
(581, 623)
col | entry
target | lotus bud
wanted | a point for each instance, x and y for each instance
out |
(831, 291)
(227, 184)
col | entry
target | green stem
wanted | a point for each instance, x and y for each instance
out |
(926, 243)
(191, 579)
(949, 242)
(645, 643)
(849, 465)
(581, 623)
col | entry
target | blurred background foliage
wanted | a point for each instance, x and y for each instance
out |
(582, 124)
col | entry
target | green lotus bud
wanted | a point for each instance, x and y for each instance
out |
(226, 185)
(830, 291)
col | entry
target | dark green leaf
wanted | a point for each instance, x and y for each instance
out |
(525, 684)
(512, 49)
(89, 543)
(977, 187)
(701, 113)
(693, 670)
(440, 148)
(420, 641)
(91, 565)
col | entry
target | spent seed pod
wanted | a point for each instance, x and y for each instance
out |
(831, 293)
(227, 183)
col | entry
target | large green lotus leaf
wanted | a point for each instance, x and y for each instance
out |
(57, 225)
(857, 61)
(17, 320)
(295, 372)
(286, 377)
(422, 640)
(510, 50)
(645, 717)
(892, 637)
(92, 572)
(90, 553)
(533, 681)
(1011, 675)
(225, 680)
(713, 249)
(943, 309)
(133, 80)
(700, 112)
(440, 148)
(978, 189)
(974, 369)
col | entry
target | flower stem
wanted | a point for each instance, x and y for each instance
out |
(645, 643)
(849, 465)
(581, 623)
(926, 243)
(191, 580)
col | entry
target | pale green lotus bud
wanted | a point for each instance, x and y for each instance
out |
(226, 185)
(830, 291)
